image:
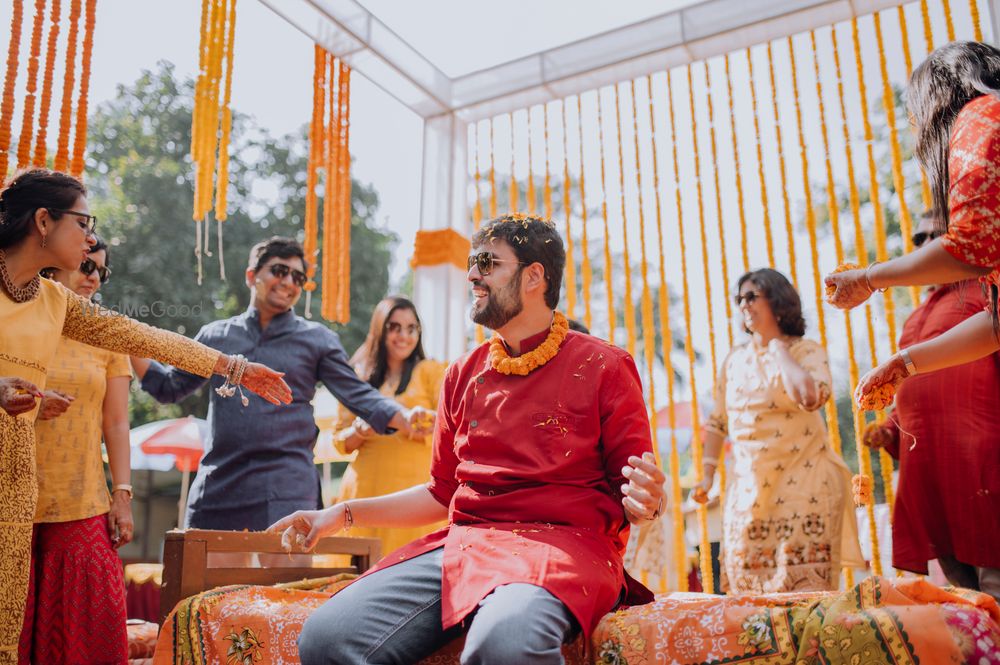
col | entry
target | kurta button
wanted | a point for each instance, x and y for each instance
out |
(481, 380)
(474, 423)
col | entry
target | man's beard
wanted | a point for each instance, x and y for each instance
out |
(501, 306)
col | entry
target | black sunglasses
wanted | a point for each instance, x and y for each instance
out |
(89, 266)
(484, 261)
(397, 327)
(91, 220)
(921, 237)
(280, 270)
(749, 297)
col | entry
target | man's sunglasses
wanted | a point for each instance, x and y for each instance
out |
(89, 266)
(90, 220)
(484, 262)
(921, 237)
(749, 297)
(280, 270)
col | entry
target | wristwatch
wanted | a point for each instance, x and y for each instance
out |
(911, 369)
(124, 488)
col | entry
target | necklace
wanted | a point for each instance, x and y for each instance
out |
(522, 365)
(18, 295)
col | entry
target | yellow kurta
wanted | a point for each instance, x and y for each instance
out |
(389, 463)
(71, 483)
(29, 336)
(788, 523)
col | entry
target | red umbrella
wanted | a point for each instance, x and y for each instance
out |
(183, 438)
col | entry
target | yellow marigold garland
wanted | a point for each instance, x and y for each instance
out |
(696, 442)
(977, 26)
(222, 178)
(568, 211)
(608, 286)
(80, 132)
(317, 131)
(584, 239)
(41, 150)
(948, 22)
(27, 117)
(629, 303)
(331, 256)
(766, 216)
(10, 78)
(782, 171)
(666, 347)
(61, 162)
(744, 246)
(530, 194)
(525, 363)
(344, 175)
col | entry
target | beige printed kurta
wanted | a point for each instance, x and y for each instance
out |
(788, 523)
(29, 335)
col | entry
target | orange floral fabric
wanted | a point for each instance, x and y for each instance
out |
(974, 186)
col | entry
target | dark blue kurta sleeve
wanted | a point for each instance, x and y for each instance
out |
(169, 385)
(360, 397)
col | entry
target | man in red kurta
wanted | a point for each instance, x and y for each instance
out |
(945, 432)
(542, 459)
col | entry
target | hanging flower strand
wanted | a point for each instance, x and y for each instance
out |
(80, 133)
(7, 107)
(41, 151)
(28, 117)
(61, 162)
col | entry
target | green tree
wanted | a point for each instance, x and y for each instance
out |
(139, 173)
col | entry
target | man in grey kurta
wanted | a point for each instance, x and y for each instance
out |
(258, 462)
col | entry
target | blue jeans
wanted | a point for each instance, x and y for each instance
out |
(393, 616)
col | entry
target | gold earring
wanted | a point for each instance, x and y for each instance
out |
(43, 240)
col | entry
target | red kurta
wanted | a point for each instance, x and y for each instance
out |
(530, 468)
(948, 500)
(974, 186)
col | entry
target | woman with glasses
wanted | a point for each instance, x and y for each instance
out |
(45, 221)
(392, 360)
(75, 570)
(944, 431)
(788, 521)
(954, 100)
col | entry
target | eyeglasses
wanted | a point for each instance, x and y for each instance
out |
(90, 220)
(484, 261)
(749, 297)
(921, 237)
(397, 328)
(89, 266)
(280, 270)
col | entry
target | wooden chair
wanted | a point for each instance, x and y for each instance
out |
(186, 571)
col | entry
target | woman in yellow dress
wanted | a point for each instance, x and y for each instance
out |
(788, 521)
(392, 360)
(45, 222)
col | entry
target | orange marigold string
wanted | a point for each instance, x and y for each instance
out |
(948, 22)
(925, 16)
(629, 304)
(344, 282)
(80, 133)
(41, 149)
(330, 255)
(760, 165)
(61, 162)
(666, 347)
(782, 171)
(696, 443)
(608, 286)
(718, 205)
(28, 115)
(568, 212)
(925, 190)
(222, 179)
(310, 244)
(744, 246)
(977, 26)
(584, 239)
(10, 78)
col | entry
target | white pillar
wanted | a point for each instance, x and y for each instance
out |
(441, 292)
(993, 10)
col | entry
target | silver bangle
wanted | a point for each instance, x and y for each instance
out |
(911, 369)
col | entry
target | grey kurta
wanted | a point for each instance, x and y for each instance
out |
(258, 462)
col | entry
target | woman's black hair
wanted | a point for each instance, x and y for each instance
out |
(781, 296)
(26, 193)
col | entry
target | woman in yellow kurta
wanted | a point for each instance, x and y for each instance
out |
(45, 222)
(391, 359)
(788, 522)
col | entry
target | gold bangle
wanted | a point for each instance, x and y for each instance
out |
(122, 488)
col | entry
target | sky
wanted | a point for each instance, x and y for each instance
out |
(273, 83)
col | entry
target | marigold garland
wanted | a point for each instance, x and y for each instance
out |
(608, 286)
(666, 347)
(948, 22)
(27, 117)
(547, 186)
(862, 490)
(10, 78)
(766, 216)
(344, 281)
(568, 211)
(530, 194)
(782, 170)
(331, 145)
(41, 149)
(524, 364)
(61, 161)
(493, 174)
(744, 245)
(317, 132)
(977, 26)
(222, 177)
(514, 194)
(629, 303)
(80, 132)
(584, 239)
